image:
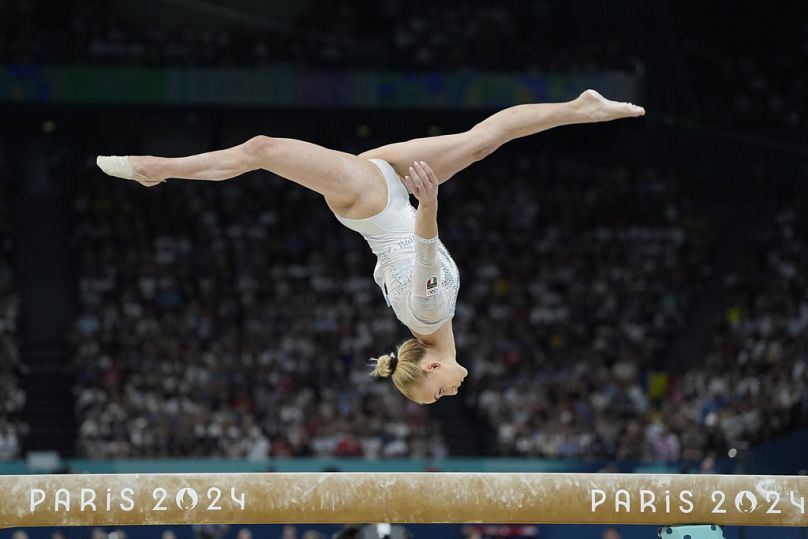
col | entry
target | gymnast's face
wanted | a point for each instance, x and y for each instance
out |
(443, 378)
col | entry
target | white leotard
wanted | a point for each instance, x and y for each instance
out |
(417, 276)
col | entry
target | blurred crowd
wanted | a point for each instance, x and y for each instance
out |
(741, 82)
(390, 34)
(12, 395)
(215, 321)
(599, 395)
(754, 383)
(721, 76)
(236, 320)
(581, 293)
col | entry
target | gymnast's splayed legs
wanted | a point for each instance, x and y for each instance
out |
(331, 173)
(368, 193)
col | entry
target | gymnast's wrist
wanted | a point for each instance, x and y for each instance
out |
(431, 204)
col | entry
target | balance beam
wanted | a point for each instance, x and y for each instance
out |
(268, 498)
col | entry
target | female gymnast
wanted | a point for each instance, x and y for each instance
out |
(368, 193)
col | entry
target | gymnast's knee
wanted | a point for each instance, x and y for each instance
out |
(259, 148)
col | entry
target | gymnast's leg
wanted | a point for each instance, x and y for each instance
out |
(352, 186)
(449, 154)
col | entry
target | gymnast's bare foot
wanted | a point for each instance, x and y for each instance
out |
(131, 167)
(596, 108)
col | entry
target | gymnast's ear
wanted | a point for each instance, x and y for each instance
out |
(430, 365)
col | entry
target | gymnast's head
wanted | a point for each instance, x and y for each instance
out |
(419, 373)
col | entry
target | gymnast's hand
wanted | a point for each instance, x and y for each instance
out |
(423, 183)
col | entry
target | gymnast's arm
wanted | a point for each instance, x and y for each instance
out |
(426, 302)
(426, 221)
(423, 183)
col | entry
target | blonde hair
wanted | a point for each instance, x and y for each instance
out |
(408, 373)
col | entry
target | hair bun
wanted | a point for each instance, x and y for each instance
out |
(393, 363)
(385, 365)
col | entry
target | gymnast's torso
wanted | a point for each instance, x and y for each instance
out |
(418, 277)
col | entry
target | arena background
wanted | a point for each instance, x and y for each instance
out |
(634, 293)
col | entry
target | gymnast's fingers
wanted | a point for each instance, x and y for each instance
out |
(417, 182)
(412, 186)
(409, 184)
(430, 187)
(433, 179)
